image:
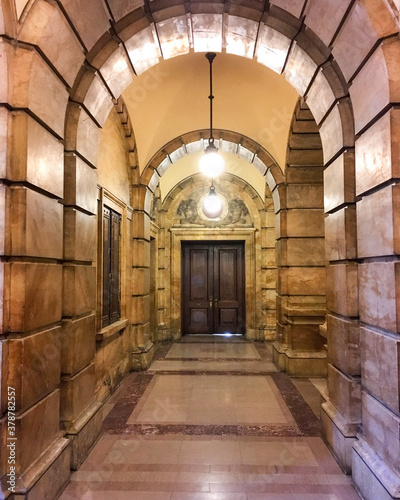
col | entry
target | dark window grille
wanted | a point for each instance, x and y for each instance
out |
(111, 265)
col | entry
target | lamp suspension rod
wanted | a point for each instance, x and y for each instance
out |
(211, 56)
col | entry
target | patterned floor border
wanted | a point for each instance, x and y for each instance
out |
(307, 424)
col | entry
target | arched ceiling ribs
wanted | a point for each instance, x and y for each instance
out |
(226, 141)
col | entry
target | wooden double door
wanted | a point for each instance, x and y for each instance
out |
(213, 288)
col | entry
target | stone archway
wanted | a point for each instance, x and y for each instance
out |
(366, 64)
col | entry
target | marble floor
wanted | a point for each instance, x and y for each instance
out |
(212, 419)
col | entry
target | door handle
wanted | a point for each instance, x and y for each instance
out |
(211, 301)
(216, 302)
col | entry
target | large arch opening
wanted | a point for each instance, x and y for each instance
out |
(314, 45)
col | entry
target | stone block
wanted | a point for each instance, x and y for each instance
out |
(34, 367)
(320, 97)
(337, 130)
(371, 475)
(344, 344)
(339, 436)
(302, 281)
(35, 295)
(30, 76)
(140, 309)
(341, 234)
(305, 157)
(36, 156)
(41, 421)
(82, 134)
(90, 20)
(345, 394)
(377, 158)
(380, 366)
(141, 280)
(77, 393)
(303, 223)
(378, 223)
(272, 48)
(324, 19)
(268, 257)
(79, 289)
(80, 184)
(141, 225)
(294, 7)
(300, 69)
(376, 85)
(339, 182)
(305, 196)
(117, 72)
(342, 289)
(268, 279)
(36, 224)
(348, 50)
(381, 429)
(305, 252)
(268, 300)
(267, 238)
(98, 101)
(80, 235)
(379, 294)
(77, 344)
(51, 20)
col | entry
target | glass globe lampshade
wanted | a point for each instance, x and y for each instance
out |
(212, 205)
(211, 163)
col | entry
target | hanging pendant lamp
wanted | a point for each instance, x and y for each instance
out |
(212, 204)
(211, 163)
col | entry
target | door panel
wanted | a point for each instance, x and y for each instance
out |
(213, 288)
(197, 289)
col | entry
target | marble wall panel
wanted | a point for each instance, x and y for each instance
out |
(41, 421)
(379, 294)
(377, 156)
(35, 155)
(332, 134)
(43, 20)
(6, 52)
(4, 249)
(272, 48)
(302, 281)
(300, 69)
(82, 133)
(305, 252)
(140, 309)
(305, 157)
(381, 429)
(372, 90)
(80, 235)
(79, 289)
(342, 289)
(77, 344)
(4, 362)
(268, 278)
(305, 196)
(34, 367)
(378, 223)
(141, 281)
(380, 366)
(268, 300)
(268, 257)
(345, 394)
(117, 72)
(90, 19)
(324, 19)
(344, 344)
(35, 295)
(30, 75)
(141, 225)
(80, 185)
(77, 393)
(304, 223)
(5, 129)
(36, 224)
(295, 7)
(381, 16)
(320, 97)
(339, 181)
(348, 50)
(98, 101)
(341, 234)
(120, 10)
